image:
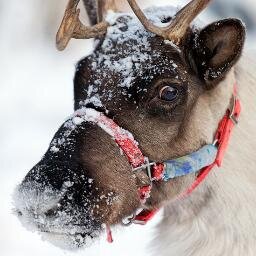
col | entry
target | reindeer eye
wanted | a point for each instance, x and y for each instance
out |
(168, 93)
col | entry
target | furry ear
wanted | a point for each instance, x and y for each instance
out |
(217, 48)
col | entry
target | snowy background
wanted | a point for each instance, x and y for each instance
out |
(36, 95)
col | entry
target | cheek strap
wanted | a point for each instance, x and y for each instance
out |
(202, 160)
(191, 163)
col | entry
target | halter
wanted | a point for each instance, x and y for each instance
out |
(201, 161)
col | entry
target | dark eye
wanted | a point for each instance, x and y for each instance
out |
(168, 93)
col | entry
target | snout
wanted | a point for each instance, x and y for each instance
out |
(81, 183)
(55, 199)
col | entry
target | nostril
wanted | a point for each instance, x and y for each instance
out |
(19, 213)
(51, 212)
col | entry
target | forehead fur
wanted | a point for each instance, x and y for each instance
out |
(128, 55)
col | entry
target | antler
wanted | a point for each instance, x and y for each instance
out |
(71, 27)
(104, 5)
(179, 25)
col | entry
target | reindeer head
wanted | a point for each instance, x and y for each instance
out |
(164, 81)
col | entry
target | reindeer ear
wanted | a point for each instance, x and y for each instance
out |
(217, 48)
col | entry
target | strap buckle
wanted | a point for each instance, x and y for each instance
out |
(146, 166)
(131, 219)
(128, 220)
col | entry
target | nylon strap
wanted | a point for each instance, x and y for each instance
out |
(222, 138)
(204, 159)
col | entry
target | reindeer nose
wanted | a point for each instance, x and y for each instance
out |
(46, 186)
(54, 174)
(55, 199)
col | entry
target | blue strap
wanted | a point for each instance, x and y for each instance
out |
(190, 163)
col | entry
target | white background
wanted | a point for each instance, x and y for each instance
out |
(36, 95)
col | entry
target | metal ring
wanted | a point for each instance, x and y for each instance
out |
(215, 142)
(128, 220)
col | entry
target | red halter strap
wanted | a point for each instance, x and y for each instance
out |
(130, 148)
(222, 138)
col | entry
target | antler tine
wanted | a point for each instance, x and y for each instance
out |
(179, 25)
(71, 27)
(144, 20)
(184, 17)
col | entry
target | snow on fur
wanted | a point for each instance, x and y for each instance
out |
(36, 197)
(88, 115)
(33, 202)
(126, 30)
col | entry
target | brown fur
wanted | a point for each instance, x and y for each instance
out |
(173, 131)
(219, 217)
(204, 79)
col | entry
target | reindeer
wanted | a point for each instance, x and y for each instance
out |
(167, 84)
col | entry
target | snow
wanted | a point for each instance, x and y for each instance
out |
(128, 62)
(36, 96)
(90, 181)
(54, 149)
(90, 115)
(39, 206)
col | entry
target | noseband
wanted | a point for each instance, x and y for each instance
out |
(201, 161)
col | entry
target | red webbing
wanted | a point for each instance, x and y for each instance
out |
(144, 216)
(135, 157)
(222, 138)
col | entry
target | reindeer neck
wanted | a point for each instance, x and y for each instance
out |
(219, 215)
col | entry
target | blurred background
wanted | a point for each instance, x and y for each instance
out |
(36, 95)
